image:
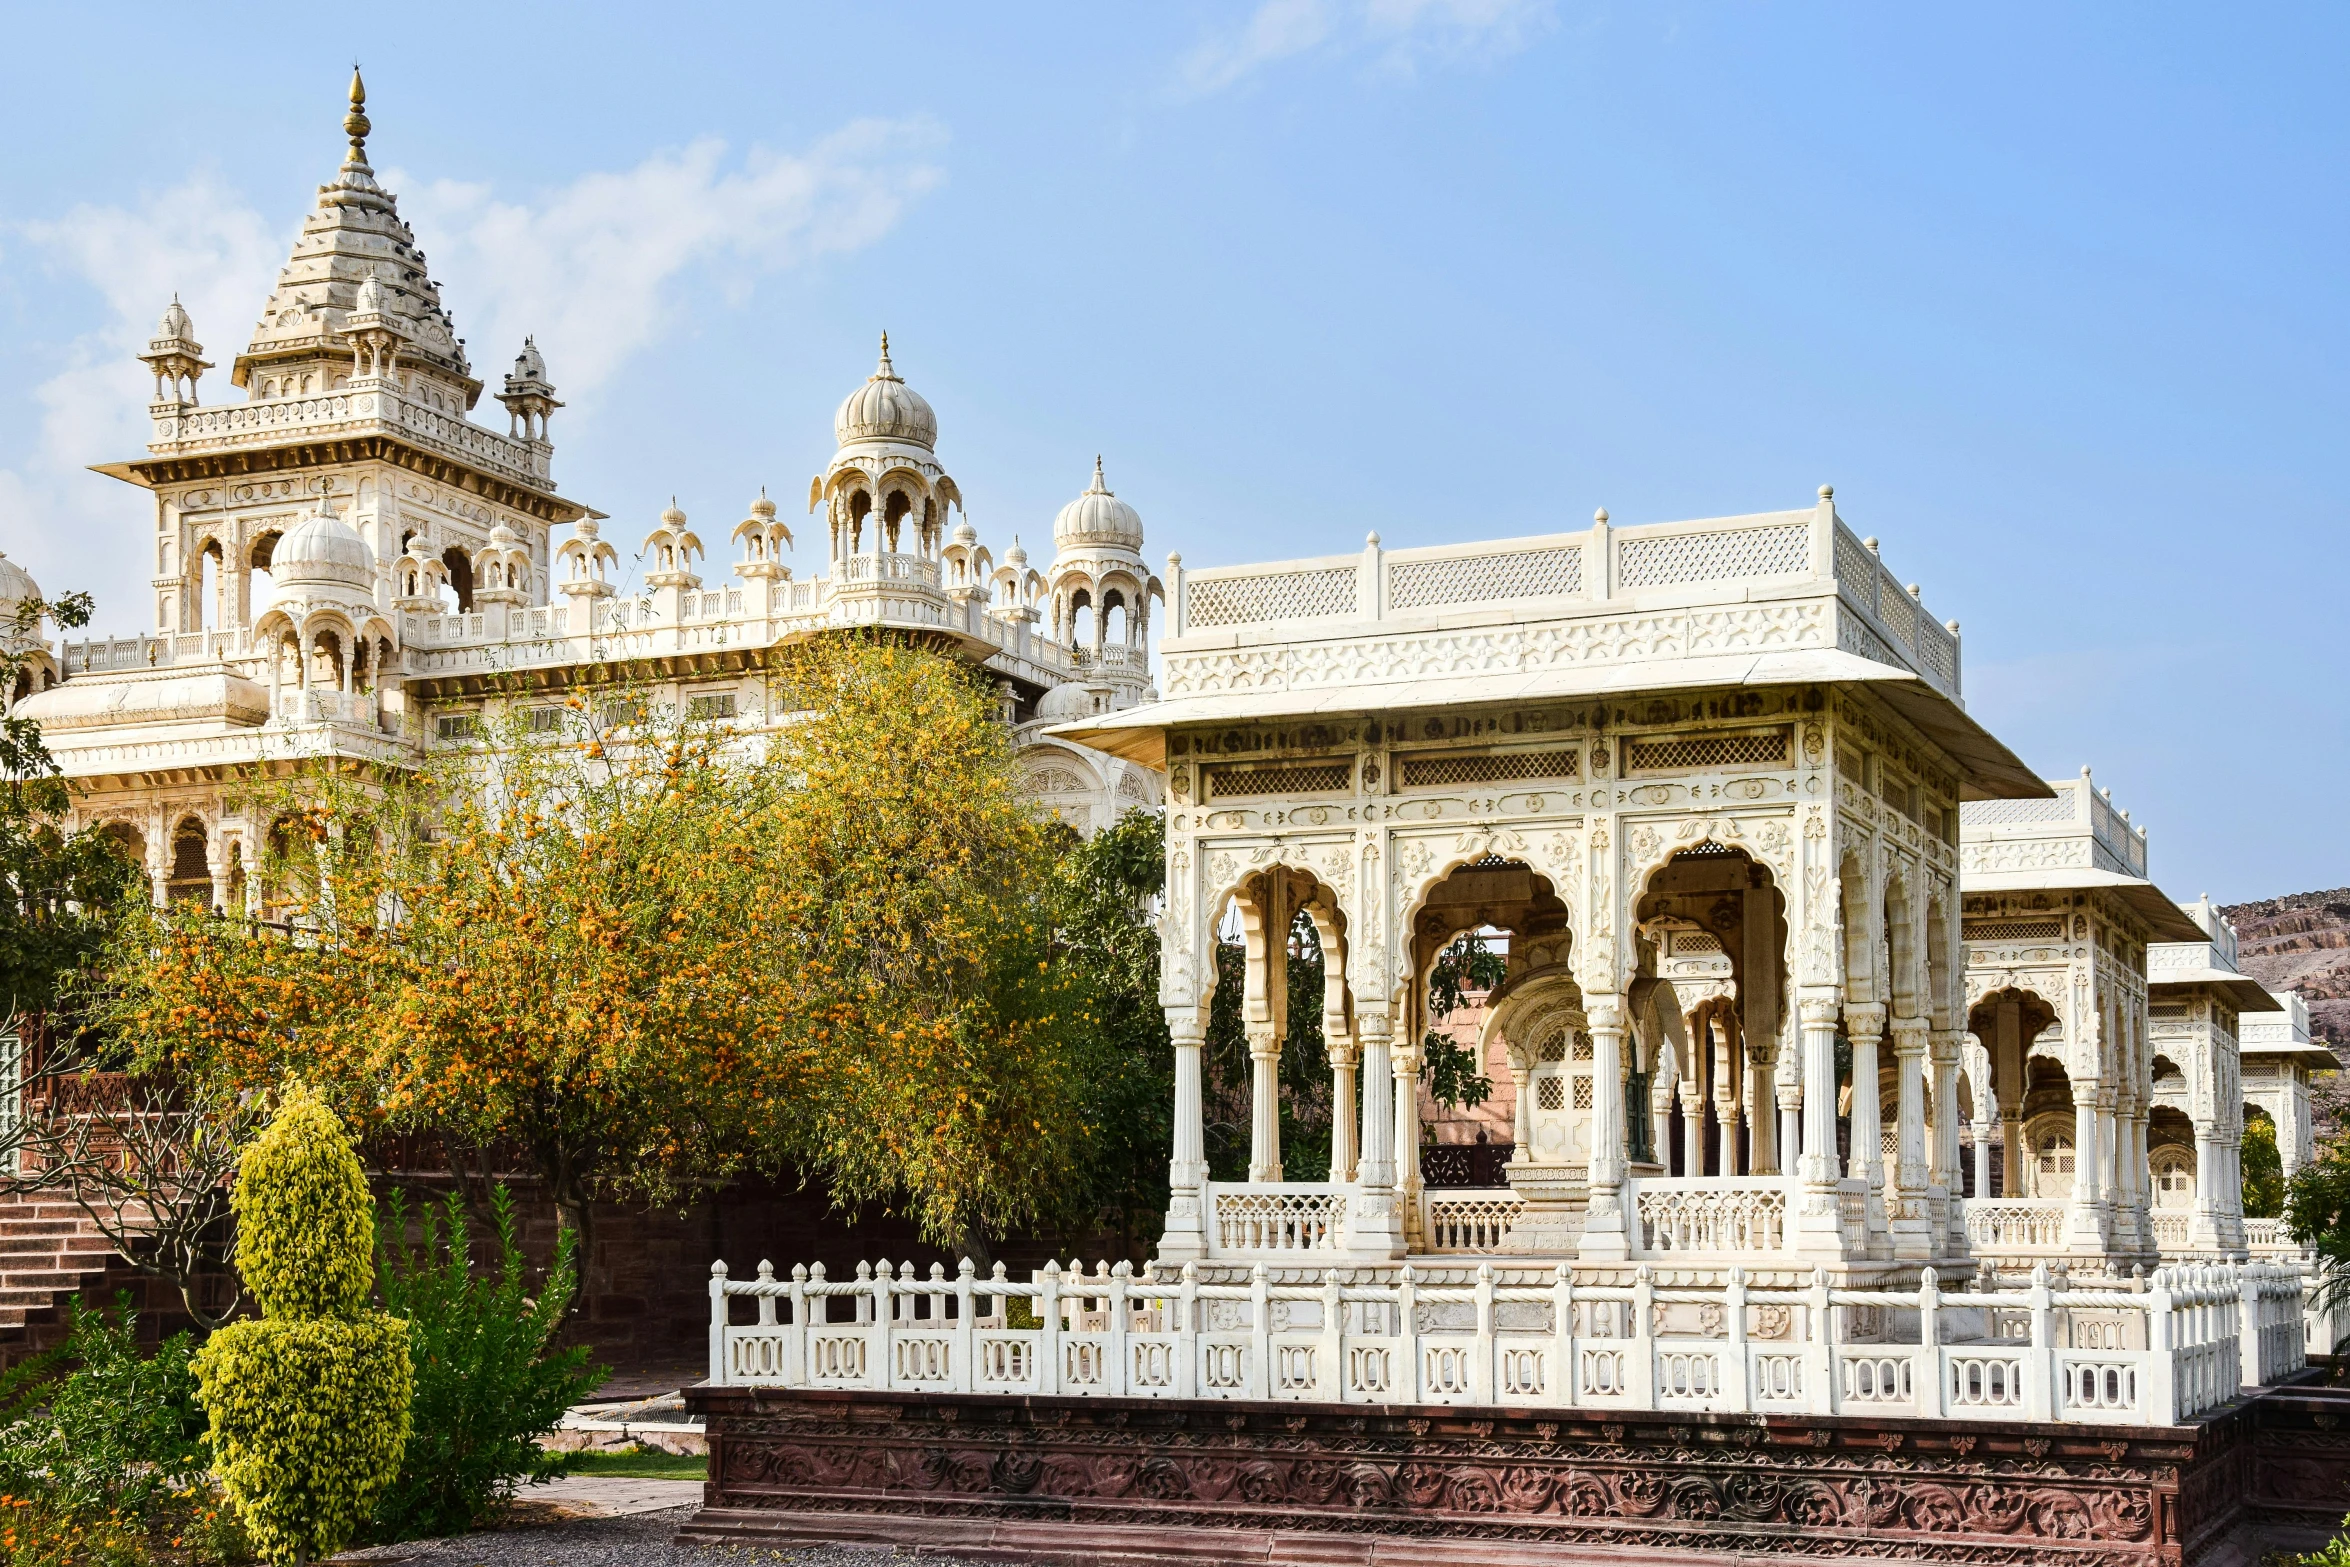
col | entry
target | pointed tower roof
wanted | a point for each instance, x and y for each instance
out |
(354, 233)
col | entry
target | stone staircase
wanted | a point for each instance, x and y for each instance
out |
(49, 1250)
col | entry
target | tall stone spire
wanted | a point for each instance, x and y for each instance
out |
(355, 233)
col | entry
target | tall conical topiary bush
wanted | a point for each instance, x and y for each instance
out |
(309, 1404)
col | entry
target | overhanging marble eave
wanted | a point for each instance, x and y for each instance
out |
(1992, 771)
(2146, 900)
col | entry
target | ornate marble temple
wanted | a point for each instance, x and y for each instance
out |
(348, 565)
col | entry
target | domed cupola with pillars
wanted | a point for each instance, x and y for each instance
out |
(884, 494)
(1099, 589)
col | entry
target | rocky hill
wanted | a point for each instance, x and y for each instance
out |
(2301, 942)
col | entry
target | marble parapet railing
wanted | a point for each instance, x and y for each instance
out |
(2100, 835)
(1771, 554)
(494, 639)
(2185, 1342)
(2016, 1226)
(1469, 1220)
(367, 407)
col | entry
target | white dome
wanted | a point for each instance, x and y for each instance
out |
(885, 408)
(16, 585)
(175, 326)
(322, 548)
(529, 365)
(1098, 517)
(1063, 703)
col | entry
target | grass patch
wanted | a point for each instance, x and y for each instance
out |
(645, 1463)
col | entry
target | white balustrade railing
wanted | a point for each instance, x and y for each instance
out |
(2269, 1235)
(1285, 1216)
(1469, 1219)
(2029, 1226)
(2159, 1352)
(1606, 563)
(2171, 1230)
(1720, 1216)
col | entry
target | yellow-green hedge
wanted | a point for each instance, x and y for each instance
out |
(309, 1405)
(308, 1423)
(305, 1219)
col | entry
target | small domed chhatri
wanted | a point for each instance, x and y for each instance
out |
(885, 408)
(1098, 517)
(322, 548)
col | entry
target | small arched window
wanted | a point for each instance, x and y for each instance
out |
(2174, 1178)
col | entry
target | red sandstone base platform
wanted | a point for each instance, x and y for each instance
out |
(1071, 1480)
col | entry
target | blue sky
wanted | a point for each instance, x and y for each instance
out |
(2052, 295)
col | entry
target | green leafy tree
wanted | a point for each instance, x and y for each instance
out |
(2317, 1214)
(1467, 965)
(489, 1380)
(2264, 1169)
(1107, 942)
(309, 1405)
(63, 889)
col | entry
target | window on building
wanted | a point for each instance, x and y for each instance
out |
(714, 704)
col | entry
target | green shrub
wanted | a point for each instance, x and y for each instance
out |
(113, 1458)
(310, 1405)
(305, 1221)
(489, 1382)
(123, 1433)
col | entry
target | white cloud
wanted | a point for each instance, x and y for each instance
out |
(1395, 34)
(593, 268)
(197, 239)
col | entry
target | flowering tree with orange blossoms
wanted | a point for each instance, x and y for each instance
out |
(942, 1041)
(646, 953)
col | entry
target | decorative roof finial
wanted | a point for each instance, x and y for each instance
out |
(1101, 486)
(355, 123)
(885, 372)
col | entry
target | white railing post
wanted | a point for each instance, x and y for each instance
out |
(1187, 1334)
(718, 1322)
(965, 1345)
(1926, 1381)
(2162, 1354)
(1114, 1384)
(1048, 1311)
(2248, 1327)
(884, 1311)
(1819, 1352)
(1407, 1333)
(798, 1350)
(1260, 1320)
(1371, 589)
(2040, 1377)
(1562, 1334)
(1643, 1367)
(1330, 1362)
(766, 1301)
(1737, 1381)
(1482, 1379)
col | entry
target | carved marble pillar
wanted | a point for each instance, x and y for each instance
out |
(1407, 1139)
(1375, 1223)
(1818, 1164)
(1264, 1102)
(1911, 1223)
(1692, 1130)
(1344, 1053)
(1186, 1237)
(1763, 1144)
(1606, 1234)
(2085, 1225)
(1943, 1178)
(1865, 1025)
(1521, 1109)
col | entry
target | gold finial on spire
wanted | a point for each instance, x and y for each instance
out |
(886, 372)
(355, 123)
